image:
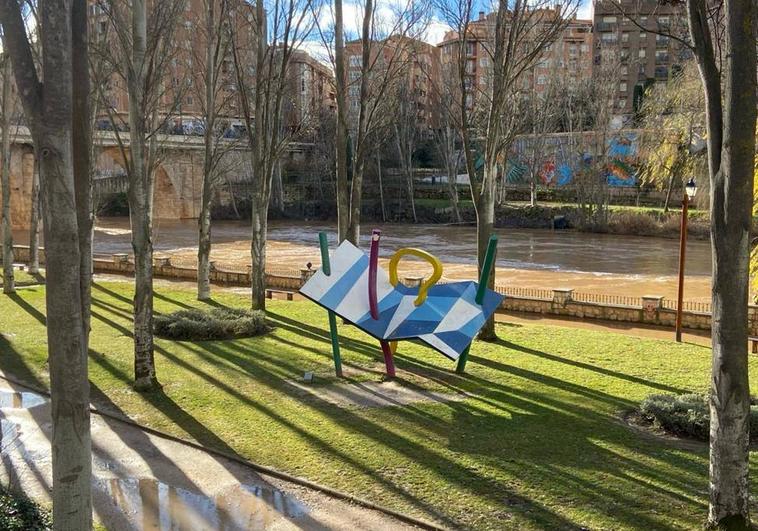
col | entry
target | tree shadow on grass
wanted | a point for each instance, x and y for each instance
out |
(581, 365)
(28, 308)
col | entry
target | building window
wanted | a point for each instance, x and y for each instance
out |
(609, 20)
(643, 35)
(624, 70)
(541, 80)
(622, 103)
(622, 86)
(355, 60)
(642, 53)
(661, 56)
(625, 37)
(470, 48)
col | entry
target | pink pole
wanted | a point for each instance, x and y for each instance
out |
(373, 264)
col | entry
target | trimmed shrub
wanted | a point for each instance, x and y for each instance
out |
(686, 415)
(218, 323)
(19, 513)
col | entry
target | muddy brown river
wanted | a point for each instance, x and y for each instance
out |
(545, 259)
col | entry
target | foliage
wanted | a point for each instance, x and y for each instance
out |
(686, 414)
(217, 323)
(19, 513)
(672, 145)
(533, 443)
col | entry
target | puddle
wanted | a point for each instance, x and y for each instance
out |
(150, 504)
(20, 400)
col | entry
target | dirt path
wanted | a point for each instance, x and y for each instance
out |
(142, 481)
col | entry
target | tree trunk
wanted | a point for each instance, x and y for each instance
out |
(485, 227)
(204, 249)
(340, 82)
(356, 196)
(204, 219)
(9, 285)
(669, 189)
(381, 185)
(533, 192)
(258, 254)
(731, 156)
(140, 208)
(34, 222)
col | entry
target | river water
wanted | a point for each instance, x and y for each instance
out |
(545, 259)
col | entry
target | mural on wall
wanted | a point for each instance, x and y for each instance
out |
(559, 160)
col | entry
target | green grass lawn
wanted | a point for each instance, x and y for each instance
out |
(537, 445)
(23, 278)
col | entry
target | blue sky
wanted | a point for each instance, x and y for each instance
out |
(352, 10)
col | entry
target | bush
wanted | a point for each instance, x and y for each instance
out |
(218, 323)
(686, 415)
(19, 513)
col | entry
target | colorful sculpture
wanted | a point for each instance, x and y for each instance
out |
(447, 317)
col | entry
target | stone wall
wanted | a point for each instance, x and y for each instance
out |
(562, 303)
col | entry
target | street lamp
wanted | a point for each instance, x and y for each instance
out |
(690, 189)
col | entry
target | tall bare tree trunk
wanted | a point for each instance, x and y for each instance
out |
(34, 221)
(204, 220)
(381, 184)
(340, 83)
(485, 226)
(140, 206)
(9, 285)
(258, 253)
(59, 141)
(731, 156)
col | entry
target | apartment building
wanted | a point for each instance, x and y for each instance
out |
(311, 90)
(412, 62)
(183, 85)
(569, 56)
(628, 49)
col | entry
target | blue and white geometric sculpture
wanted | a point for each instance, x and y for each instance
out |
(447, 320)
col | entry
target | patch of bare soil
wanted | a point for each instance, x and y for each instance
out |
(372, 394)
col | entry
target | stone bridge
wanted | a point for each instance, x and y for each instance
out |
(178, 178)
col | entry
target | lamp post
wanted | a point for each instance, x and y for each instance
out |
(690, 189)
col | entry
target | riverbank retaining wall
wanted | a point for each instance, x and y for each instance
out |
(559, 302)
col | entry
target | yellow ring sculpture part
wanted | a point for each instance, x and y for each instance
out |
(431, 281)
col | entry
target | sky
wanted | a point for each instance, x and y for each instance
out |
(352, 10)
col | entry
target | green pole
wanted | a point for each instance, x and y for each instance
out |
(326, 268)
(489, 261)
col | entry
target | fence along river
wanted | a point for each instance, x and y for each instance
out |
(603, 264)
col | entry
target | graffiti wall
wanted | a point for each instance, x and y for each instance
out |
(559, 158)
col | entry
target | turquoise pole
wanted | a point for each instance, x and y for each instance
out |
(326, 268)
(489, 261)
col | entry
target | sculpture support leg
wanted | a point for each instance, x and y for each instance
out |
(326, 267)
(389, 363)
(489, 262)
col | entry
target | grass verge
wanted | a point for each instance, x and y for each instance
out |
(537, 445)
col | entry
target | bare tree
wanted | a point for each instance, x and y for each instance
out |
(214, 89)
(729, 82)
(55, 101)
(446, 137)
(513, 39)
(406, 131)
(261, 70)
(385, 53)
(6, 110)
(140, 53)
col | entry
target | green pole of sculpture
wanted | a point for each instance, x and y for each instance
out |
(326, 268)
(489, 261)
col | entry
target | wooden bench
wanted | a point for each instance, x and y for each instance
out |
(754, 342)
(288, 294)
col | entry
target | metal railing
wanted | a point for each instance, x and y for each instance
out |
(610, 299)
(688, 306)
(525, 293)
